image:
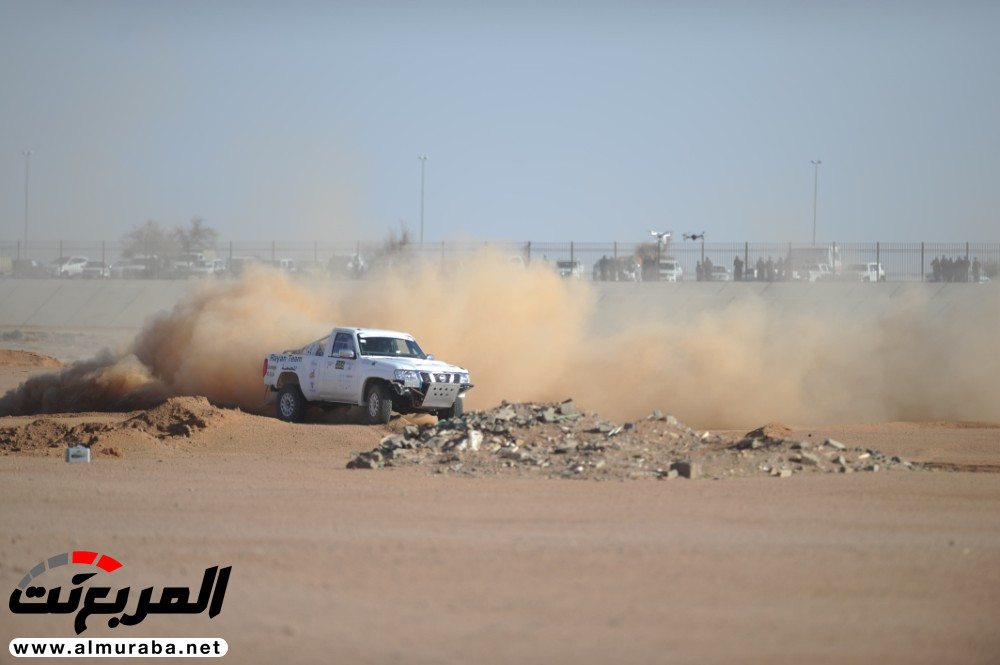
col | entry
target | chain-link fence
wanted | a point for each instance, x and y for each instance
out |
(898, 261)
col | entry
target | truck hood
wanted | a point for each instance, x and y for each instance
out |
(414, 363)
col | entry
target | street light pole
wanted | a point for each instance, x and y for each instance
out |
(27, 155)
(423, 165)
(815, 164)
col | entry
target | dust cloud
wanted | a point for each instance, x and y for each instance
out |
(527, 335)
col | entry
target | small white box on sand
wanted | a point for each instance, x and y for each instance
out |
(78, 454)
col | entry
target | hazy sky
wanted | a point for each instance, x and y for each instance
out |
(584, 121)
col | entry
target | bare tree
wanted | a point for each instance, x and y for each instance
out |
(147, 240)
(196, 238)
(396, 243)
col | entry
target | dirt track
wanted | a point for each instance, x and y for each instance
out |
(403, 565)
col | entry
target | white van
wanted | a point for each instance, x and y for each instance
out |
(671, 270)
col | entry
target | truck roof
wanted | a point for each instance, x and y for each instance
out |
(375, 332)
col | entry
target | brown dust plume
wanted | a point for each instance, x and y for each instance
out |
(618, 349)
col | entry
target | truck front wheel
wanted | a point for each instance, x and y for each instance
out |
(456, 410)
(291, 403)
(378, 404)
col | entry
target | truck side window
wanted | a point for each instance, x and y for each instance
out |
(320, 346)
(342, 342)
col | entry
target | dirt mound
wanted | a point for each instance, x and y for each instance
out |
(558, 441)
(772, 430)
(178, 416)
(36, 435)
(16, 358)
(175, 418)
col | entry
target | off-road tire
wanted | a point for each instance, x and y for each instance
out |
(291, 403)
(378, 404)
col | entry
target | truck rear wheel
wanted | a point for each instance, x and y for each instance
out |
(378, 404)
(291, 403)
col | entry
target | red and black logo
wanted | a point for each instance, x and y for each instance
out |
(28, 597)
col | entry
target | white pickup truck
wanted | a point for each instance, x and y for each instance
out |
(381, 370)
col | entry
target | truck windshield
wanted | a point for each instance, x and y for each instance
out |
(390, 346)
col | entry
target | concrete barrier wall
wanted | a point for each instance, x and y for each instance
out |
(128, 304)
(61, 303)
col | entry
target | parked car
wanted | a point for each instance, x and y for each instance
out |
(671, 270)
(570, 269)
(238, 264)
(95, 269)
(865, 272)
(185, 262)
(208, 268)
(29, 268)
(720, 274)
(68, 266)
(815, 272)
(145, 266)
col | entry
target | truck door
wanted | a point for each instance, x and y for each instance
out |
(339, 374)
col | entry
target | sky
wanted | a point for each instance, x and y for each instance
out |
(590, 121)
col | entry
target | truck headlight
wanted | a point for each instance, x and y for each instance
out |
(463, 378)
(409, 377)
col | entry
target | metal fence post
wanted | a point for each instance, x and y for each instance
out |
(922, 262)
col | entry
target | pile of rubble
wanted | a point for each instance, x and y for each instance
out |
(558, 441)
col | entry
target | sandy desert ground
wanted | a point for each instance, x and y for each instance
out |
(423, 564)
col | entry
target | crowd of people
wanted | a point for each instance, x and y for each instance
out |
(618, 269)
(959, 269)
(764, 271)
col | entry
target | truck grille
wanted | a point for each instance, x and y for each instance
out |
(439, 377)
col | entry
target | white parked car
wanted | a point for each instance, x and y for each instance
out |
(671, 270)
(865, 272)
(720, 274)
(208, 268)
(96, 269)
(814, 273)
(381, 370)
(570, 269)
(69, 266)
(141, 266)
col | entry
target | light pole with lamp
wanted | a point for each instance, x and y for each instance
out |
(698, 236)
(701, 236)
(423, 165)
(27, 156)
(815, 164)
(660, 237)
